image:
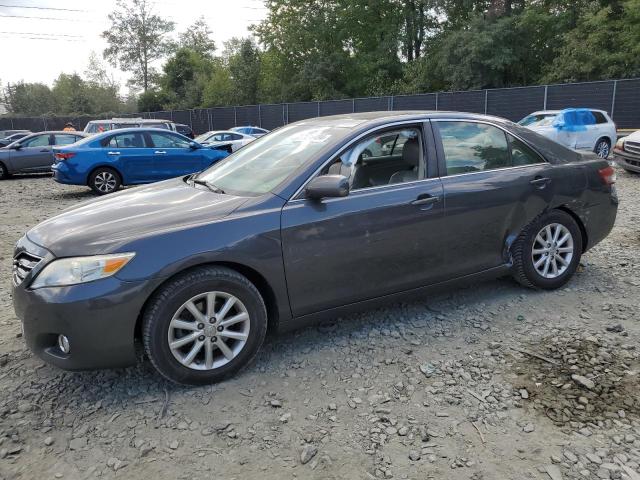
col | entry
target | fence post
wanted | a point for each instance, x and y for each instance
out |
(259, 115)
(44, 122)
(486, 100)
(392, 102)
(436, 101)
(318, 109)
(235, 116)
(353, 105)
(190, 119)
(613, 97)
(12, 123)
(546, 88)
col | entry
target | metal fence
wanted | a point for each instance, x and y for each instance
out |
(620, 98)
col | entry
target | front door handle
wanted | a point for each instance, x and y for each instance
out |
(425, 199)
(113, 153)
(160, 152)
(540, 182)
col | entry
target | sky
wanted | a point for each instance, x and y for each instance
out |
(63, 37)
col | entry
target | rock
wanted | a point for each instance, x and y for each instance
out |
(528, 428)
(524, 393)
(584, 381)
(48, 441)
(414, 455)
(174, 445)
(285, 417)
(618, 328)
(333, 406)
(78, 443)
(569, 455)
(276, 403)
(307, 453)
(403, 431)
(553, 471)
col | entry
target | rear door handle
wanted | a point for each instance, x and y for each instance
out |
(113, 153)
(160, 152)
(540, 182)
(425, 199)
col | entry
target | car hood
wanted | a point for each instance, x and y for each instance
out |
(110, 223)
(634, 137)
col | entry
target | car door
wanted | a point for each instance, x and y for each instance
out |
(129, 154)
(494, 184)
(34, 155)
(173, 156)
(378, 240)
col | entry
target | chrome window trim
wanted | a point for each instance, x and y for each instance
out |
(352, 142)
(487, 122)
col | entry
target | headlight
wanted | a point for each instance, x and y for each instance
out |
(70, 271)
(620, 144)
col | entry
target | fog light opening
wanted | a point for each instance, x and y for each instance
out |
(63, 344)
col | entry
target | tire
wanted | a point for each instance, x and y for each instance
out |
(104, 180)
(211, 363)
(4, 173)
(602, 148)
(525, 258)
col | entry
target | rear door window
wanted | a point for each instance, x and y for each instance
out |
(165, 140)
(126, 140)
(521, 154)
(62, 139)
(600, 118)
(37, 141)
(473, 147)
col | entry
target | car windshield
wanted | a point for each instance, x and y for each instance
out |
(265, 163)
(538, 120)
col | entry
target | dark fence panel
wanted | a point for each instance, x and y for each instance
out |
(247, 115)
(626, 110)
(182, 116)
(472, 101)
(200, 121)
(371, 104)
(515, 103)
(222, 118)
(335, 107)
(621, 98)
(575, 95)
(415, 102)
(301, 110)
(272, 116)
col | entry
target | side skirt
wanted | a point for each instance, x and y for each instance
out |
(413, 294)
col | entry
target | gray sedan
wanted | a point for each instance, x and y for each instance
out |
(299, 225)
(34, 153)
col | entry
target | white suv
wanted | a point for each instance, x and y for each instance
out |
(577, 128)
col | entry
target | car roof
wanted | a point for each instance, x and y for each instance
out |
(67, 132)
(213, 132)
(131, 130)
(131, 120)
(555, 112)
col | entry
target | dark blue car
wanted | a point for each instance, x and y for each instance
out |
(130, 156)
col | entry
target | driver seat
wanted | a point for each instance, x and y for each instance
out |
(411, 157)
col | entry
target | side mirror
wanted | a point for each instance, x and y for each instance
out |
(327, 186)
(16, 146)
(194, 145)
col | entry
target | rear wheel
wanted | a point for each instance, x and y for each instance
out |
(602, 148)
(104, 180)
(204, 326)
(547, 252)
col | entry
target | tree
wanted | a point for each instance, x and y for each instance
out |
(185, 76)
(137, 38)
(198, 38)
(244, 68)
(29, 98)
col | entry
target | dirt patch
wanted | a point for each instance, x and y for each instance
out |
(586, 377)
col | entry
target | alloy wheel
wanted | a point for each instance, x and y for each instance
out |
(209, 330)
(105, 182)
(552, 250)
(602, 149)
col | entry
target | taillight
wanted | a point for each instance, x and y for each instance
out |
(608, 175)
(64, 155)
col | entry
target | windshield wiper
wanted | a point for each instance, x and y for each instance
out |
(209, 185)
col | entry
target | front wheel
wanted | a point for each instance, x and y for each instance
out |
(4, 173)
(602, 148)
(204, 326)
(547, 252)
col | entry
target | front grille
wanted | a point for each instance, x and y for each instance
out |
(23, 263)
(632, 162)
(632, 147)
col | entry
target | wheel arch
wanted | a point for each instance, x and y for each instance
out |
(255, 277)
(581, 226)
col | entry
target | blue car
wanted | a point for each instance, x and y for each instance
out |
(130, 156)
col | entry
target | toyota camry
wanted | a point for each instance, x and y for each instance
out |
(298, 226)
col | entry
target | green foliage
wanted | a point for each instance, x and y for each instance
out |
(137, 38)
(29, 98)
(198, 38)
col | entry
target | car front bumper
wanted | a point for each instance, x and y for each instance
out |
(627, 161)
(99, 319)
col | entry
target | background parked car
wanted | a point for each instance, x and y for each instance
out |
(225, 140)
(185, 130)
(130, 156)
(98, 126)
(33, 153)
(577, 128)
(253, 131)
(6, 133)
(12, 138)
(626, 152)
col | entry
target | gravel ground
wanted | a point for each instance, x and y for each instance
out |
(488, 382)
